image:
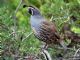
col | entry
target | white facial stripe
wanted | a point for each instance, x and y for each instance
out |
(31, 9)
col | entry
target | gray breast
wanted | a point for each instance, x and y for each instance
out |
(36, 22)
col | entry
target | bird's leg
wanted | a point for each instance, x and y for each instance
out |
(63, 45)
(65, 49)
(44, 46)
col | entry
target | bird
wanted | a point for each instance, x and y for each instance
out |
(44, 29)
(68, 33)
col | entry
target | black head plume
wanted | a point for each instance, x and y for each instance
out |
(32, 10)
(24, 6)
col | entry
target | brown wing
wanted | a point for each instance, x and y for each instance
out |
(48, 32)
(49, 35)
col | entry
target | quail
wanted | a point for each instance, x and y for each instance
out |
(69, 34)
(43, 29)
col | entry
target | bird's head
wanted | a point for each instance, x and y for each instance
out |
(33, 10)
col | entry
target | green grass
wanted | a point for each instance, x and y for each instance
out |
(61, 10)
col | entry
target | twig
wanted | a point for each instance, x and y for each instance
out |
(15, 35)
(59, 18)
(18, 6)
(27, 36)
(51, 18)
(46, 54)
(76, 53)
(12, 33)
(15, 21)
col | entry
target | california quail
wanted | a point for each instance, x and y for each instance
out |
(68, 33)
(44, 30)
